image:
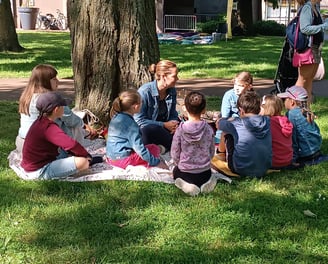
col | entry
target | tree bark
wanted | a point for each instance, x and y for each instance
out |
(251, 11)
(8, 35)
(113, 44)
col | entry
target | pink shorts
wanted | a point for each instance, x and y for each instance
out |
(134, 159)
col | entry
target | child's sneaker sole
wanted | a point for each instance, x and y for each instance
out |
(186, 187)
(209, 185)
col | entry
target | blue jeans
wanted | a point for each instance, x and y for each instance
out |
(153, 134)
(59, 168)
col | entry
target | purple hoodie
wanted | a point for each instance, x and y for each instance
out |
(193, 146)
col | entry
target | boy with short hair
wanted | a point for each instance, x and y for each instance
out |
(45, 137)
(248, 138)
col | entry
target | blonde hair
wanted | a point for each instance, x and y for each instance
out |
(272, 105)
(39, 82)
(244, 77)
(125, 101)
(163, 67)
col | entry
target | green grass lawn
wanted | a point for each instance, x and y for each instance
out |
(249, 221)
(259, 55)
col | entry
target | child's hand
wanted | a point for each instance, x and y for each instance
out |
(217, 123)
(171, 125)
(162, 165)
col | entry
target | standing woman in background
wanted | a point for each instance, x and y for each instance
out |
(158, 117)
(312, 25)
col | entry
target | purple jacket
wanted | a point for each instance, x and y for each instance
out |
(193, 146)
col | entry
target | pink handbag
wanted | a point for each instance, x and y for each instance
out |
(303, 58)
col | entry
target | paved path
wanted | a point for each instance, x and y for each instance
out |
(11, 89)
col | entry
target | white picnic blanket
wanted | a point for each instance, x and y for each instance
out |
(103, 171)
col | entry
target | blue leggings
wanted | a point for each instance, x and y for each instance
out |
(153, 134)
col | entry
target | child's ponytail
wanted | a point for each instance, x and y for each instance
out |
(124, 101)
(307, 113)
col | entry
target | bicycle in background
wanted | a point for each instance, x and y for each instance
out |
(49, 21)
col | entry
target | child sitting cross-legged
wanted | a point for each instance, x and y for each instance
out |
(306, 136)
(192, 149)
(124, 142)
(45, 137)
(248, 138)
(281, 132)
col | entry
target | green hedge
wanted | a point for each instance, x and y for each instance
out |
(269, 28)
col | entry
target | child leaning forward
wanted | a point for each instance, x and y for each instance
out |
(248, 138)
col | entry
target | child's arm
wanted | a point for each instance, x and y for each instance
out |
(228, 128)
(57, 136)
(176, 146)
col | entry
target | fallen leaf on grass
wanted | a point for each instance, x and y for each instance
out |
(122, 225)
(309, 213)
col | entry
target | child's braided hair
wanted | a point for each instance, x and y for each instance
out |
(307, 113)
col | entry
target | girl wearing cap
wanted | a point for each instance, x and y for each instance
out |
(44, 138)
(44, 79)
(306, 136)
(158, 117)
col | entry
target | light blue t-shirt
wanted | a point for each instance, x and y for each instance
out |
(229, 104)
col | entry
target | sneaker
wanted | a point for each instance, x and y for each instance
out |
(186, 187)
(95, 160)
(162, 149)
(209, 185)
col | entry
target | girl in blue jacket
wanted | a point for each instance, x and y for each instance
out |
(124, 143)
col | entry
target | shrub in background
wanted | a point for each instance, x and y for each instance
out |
(269, 28)
(207, 27)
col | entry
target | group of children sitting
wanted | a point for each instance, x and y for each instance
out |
(255, 137)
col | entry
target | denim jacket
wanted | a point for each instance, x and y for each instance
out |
(150, 103)
(306, 136)
(229, 104)
(124, 137)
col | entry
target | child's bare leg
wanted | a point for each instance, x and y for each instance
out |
(222, 147)
(81, 163)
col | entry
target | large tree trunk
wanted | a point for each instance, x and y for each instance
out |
(113, 44)
(246, 15)
(8, 35)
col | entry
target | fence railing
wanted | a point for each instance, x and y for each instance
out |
(180, 22)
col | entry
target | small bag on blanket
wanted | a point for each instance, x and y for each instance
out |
(92, 124)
